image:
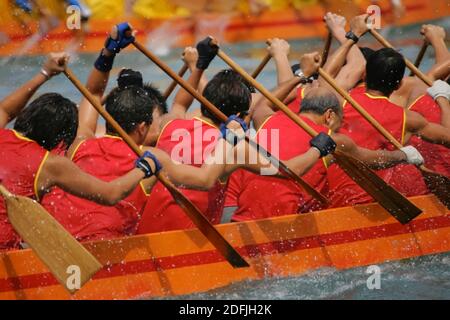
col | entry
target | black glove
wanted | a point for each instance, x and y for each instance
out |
(206, 53)
(323, 143)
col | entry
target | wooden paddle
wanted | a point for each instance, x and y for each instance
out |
(63, 255)
(390, 199)
(255, 74)
(173, 85)
(409, 64)
(222, 117)
(261, 65)
(202, 223)
(438, 184)
(326, 49)
(420, 56)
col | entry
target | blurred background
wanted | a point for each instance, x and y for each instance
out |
(31, 28)
(165, 24)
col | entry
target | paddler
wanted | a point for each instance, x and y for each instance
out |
(28, 167)
(384, 74)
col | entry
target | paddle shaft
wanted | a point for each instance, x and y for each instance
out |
(420, 56)
(326, 49)
(223, 118)
(409, 64)
(193, 212)
(261, 66)
(173, 85)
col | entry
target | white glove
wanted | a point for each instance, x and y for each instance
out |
(439, 89)
(412, 155)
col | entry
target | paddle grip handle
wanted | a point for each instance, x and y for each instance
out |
(173, 85)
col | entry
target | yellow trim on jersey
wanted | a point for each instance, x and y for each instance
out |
(376, 97)
(22, 137)
(263, 124)
(415, 101)
(207, 122)
(302, 93)
(38, 174)
(76, 149)
(141, 184)
(402, 139)
(327, 159)
(112, 137)
(162, 130)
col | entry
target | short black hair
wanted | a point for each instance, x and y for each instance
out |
(366, 52)
(129, 77)
(228, 91)
(385, 70)
(320, 103)
(157, 95)
(49, 120)
(129, 106)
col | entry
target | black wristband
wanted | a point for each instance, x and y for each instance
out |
(145, 167)
(350, 35)
(104, 63)
(324, 143)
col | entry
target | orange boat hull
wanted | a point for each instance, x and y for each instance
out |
(184, 262)
(287, 23)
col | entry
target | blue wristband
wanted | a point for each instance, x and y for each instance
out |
(104, 63)
(142, 164)
(232, 138)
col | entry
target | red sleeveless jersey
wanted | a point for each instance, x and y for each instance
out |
(188, 142)
(233, 188)
(106, 158)
(404, 177)
(359, 89)
(259, 196)
(296, 104)
(436, 157)
(20, 163)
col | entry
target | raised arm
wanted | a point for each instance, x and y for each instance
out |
(435, 35)
(120, 37)
(349, 75)
(279, 50)
(16, 101)
(184, 99)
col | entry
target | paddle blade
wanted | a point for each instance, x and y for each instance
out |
(390, 199)
(203, 224)
(70, 263)
(439, 185)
